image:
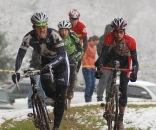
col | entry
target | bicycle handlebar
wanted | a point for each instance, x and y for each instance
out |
(117, 69)
(31, 72)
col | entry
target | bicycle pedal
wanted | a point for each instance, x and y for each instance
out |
(30, 114)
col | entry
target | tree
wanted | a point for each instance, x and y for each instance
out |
(6, 61)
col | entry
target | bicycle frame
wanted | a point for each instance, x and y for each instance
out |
(112, 97)
(40, 112)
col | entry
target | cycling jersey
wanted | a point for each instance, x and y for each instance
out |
(80, 30)
(73, 46)
(121, 50)
(51, 48)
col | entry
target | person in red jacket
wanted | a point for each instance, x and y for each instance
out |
(88, 67)
(118, 45)
(79, 28)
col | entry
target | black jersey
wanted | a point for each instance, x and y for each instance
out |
(51, 48)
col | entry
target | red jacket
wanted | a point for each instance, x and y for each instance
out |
(80, 30)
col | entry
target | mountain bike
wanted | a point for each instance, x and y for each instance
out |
(40, 113)
(112, 97)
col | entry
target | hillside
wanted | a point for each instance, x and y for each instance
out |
(15, 21)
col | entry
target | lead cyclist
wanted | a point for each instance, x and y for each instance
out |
(48, 44)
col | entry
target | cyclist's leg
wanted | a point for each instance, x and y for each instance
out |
(73, 81)
(87, 77)
(62, 79)
(123, 98)
(48, 86)
(78, 66)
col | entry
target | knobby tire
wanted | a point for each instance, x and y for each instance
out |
(116, 108)
(42, 116)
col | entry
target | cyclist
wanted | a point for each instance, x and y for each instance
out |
(48, 43)
(79, 28)
(118, 45)
(74, 52)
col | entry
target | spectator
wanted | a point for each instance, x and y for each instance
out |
(88, 68)
(79, 28)
(105, 80)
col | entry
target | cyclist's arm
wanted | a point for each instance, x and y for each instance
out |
(19, 59)
(103, 54)
(85, 44)
(22, 51)
(61, 53)
(77, 54)
(134, 59)
(61, 56)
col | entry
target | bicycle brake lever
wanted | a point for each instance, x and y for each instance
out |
(51, 74)
(17, 86)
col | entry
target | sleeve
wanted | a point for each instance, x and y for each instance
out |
(61, 53)
(84, 30)
(22, 51)
(20, 55)
(77, 54)
(134, 60)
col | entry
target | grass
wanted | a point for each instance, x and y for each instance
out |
(77, 118)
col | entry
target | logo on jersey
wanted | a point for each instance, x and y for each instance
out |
(84, 30)
(121, 48)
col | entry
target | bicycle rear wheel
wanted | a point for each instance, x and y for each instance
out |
(42, 118)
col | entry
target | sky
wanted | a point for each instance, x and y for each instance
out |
(15, 22)
(142, 118)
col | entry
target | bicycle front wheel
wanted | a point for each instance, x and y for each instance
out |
(42, 117)
(116, 108)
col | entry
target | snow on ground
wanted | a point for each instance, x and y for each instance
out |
(142, 118)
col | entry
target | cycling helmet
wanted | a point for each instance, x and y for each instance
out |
(118, 24)
(39, 19)
(74, 13)
(64, 24)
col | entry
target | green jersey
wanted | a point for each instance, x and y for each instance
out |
(73, 46)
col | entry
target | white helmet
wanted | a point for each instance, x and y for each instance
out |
(39, 19)
(74, 13)
(64, 24)
(118, 23)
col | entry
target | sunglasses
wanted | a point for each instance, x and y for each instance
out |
(41, 27)
(73, 19)
(119, 31)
